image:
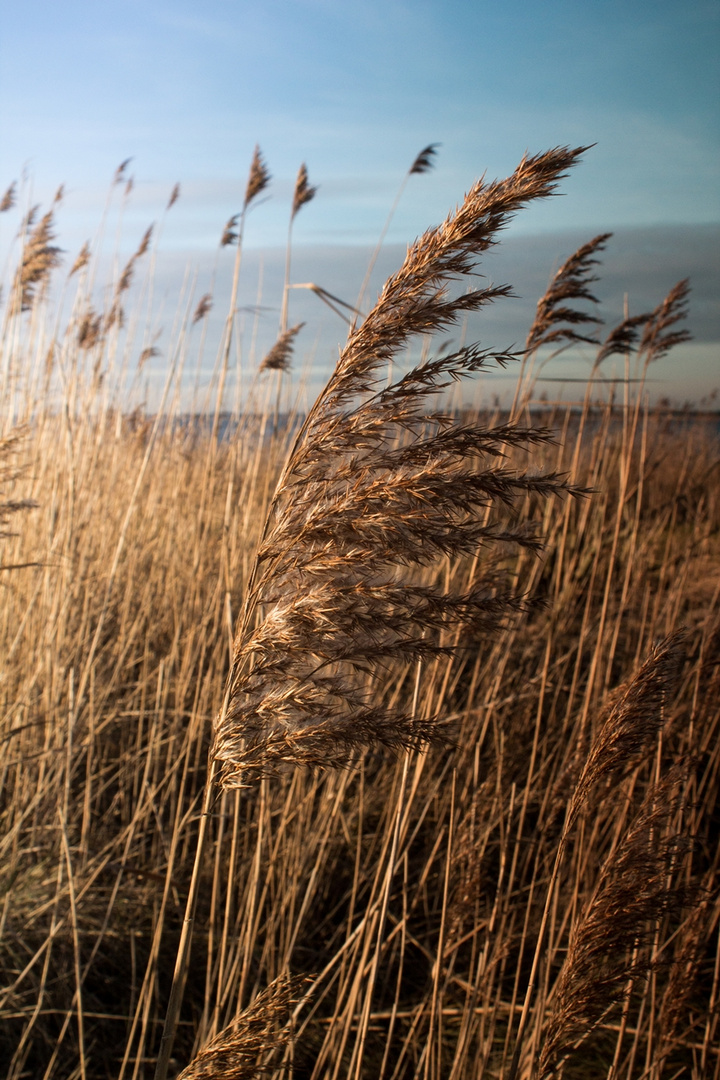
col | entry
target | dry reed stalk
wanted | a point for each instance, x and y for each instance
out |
(422, 164)
(258, 180)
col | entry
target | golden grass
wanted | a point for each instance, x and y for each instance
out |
(564, 838)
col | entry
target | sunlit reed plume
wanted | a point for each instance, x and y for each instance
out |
(120, 176)
(425, 160)
(258, 179)
(327, 608)
(303, 193)
(278, 358)
(241, 1050)
(554, 320)
(82, 259)
(636, 887)
(204, 307)
(9, 198)
(39, 258)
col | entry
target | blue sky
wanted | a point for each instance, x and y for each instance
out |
(356, 90)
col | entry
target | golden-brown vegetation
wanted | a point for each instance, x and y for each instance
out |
(539, 887)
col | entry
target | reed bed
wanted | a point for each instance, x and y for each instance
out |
(511, 868)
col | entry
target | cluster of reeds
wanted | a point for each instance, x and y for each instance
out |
(529, 883)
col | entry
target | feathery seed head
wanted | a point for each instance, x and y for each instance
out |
(554, 321)
(303, 193)
(278, 359)
(258, 179)
(230, 235)
(236, 1053)
(39, 258)
(332, 601)
(623, 338)
(203, 308)
(9, 198)
(636, 888)
(119, 176)
(82, 260)
(657, 339)
(144, 243)
(425, 160)
(89, 330)
(635, 718)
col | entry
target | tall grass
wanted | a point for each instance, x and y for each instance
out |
(535, 889)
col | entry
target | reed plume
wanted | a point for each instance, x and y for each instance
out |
(230, 235)
(304, 192)
(204, 307)
(82, 259)
(636, 887)
(9, 198)
(240, 1051)
(658, 337)
(89, 331)
(40, 256)
(258, 179)
(425, 160)
(623, 338)
(422, 164)
(554, 321)
(278, 358)
(120, 173)
(634, 719)
(634, 716)
(327, 608)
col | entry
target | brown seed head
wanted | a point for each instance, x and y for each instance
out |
(8, 200)
(120, 171)
(425, 160)
(203, 308)
(278, 359)
(237, 1052)
(332, 601)
(258, 179)
(229, 235)
(82, 260)
(554, 320)
(304, 193)
(40, 257)
(657, 339)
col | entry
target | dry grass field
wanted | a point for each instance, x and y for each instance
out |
(457, 674)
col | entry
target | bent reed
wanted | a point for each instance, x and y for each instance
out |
(455, 671)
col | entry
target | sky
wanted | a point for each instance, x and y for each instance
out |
(355, 90)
